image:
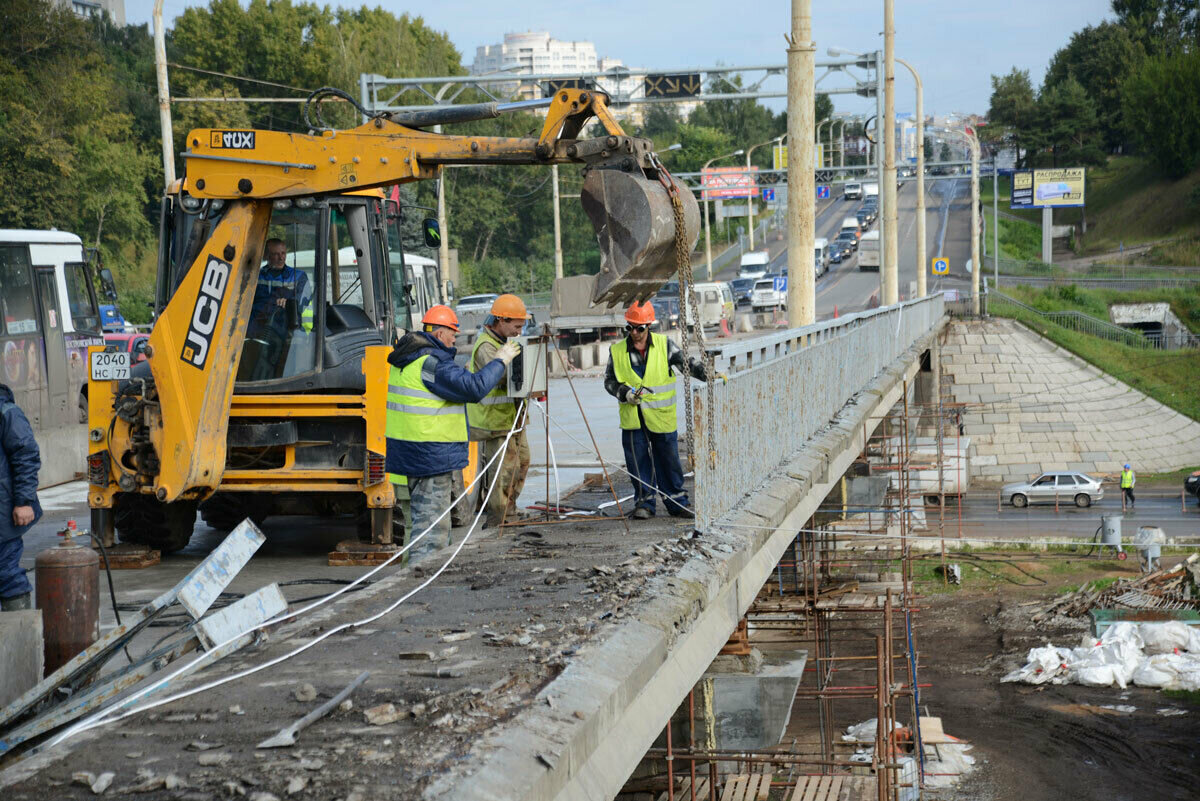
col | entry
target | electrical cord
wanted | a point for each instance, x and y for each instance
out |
(324, 93)
(112, 593)
(114, 713)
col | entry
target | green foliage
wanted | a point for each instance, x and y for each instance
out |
(1160, 25)
(1099, 58)
(1012, 112)
(1161, 104)
(1066, 126)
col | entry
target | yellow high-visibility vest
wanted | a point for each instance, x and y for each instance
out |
(658, 401)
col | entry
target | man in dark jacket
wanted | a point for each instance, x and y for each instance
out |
(427, 419)
(19, 507)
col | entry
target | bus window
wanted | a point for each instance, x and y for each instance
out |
(82, 300)
(17, 311)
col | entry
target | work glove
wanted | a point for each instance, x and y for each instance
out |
(507, 352)
(724, 378)
(632, 396)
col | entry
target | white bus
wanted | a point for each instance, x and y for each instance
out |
(868, 251)
(48, 319)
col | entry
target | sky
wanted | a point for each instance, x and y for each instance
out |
(955, 46)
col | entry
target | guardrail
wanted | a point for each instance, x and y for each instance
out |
(787, 388)
(1076, 321)
(1129, 284)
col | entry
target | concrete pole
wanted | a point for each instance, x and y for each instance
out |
(842, 144)
(802, 190)
(558, 267)
(890, 243)
(818, 138)
(752, 199)
(1047, 235)
(164, 96)
(707, 242)
(879, 167)
(976, 264)
(995, 221)
(444, 244)
(922, 259)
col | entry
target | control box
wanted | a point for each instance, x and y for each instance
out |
(527, 373)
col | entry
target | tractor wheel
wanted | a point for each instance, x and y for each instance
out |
(143, 520)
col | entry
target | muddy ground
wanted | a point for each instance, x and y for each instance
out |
(1048, 742)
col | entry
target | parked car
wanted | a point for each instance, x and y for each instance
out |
(766, 296)
(864, 217)
(837, 251)
(847, 239)
(1078, 488)
(133, 344)
(1191, 485)
(742, 288)
(475, 303)
(666, 311)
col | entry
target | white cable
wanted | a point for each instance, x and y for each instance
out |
(553, 460)
(107, 716)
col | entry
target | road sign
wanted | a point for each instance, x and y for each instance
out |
(685, 84)
(768, 195)
(941, 266)
(779, 157)
(551, 88)
(780, 282)
(823, 192)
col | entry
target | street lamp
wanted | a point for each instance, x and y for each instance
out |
(922, 266)
(973, 143)
(707, 233)
(750, 150)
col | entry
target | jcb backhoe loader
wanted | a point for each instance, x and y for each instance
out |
(264, 391)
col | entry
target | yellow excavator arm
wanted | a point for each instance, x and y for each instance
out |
(197, 341)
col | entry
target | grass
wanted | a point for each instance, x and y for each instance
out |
(1060, 571)
(1187, 696)
(1185, 303)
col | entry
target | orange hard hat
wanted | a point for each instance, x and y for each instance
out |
(509, 306)
(441, 315)
(639, 313)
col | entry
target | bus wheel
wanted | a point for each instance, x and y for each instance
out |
(143, 520)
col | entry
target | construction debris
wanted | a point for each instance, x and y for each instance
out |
(1173, 588)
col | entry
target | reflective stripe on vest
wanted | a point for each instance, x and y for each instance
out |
(658, 401)
(495, 411)
(414, 414)
(398, 479)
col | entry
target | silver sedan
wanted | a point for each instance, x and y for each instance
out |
(1067, 487)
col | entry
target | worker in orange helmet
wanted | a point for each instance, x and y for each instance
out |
(641, 375)
(495, 415)
(427, 420)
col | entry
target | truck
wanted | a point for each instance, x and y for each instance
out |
(754, 264)
(871, 190)
(575, 319)
(868, 252)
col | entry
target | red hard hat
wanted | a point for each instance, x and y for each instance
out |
(639, 313)
(441, 315)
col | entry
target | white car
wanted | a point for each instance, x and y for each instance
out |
(852, 191)
(765, 296)
(472, 304)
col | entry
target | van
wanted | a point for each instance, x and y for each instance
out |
(851, 224)
(754, 264)
(871, 190)
(715, 301)
(821, 256)
(868, 253)
(852, 191)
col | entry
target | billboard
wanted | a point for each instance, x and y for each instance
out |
(1039, 189)
(722, 182)
(779, 156)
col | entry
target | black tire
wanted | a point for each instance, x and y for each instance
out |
(143, 520)
(1019, 501)
(223, 511)
(1083, 500)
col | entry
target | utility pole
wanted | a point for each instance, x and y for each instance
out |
(995, 220)
(802, 190)
(558, 267)
(976, 264)
(164, 96)
(707, 231)
(922, 256)
(883, 209)
(890, 243)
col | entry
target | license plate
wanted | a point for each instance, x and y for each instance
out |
(110, 366)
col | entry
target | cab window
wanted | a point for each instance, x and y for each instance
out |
(17, 310)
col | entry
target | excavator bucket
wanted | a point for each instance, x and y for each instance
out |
(635, 226)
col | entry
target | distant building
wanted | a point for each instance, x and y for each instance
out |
(534, 52)
(90, 8)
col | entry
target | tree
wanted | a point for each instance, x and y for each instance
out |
(1066, 125)
(945, 154)
(1160, 26)
(1100, 58)
(1012, 112)
(1161, 107)
(745, 121)
(822, 108)
(928, 147)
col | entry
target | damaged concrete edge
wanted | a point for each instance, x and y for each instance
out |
(592, 725)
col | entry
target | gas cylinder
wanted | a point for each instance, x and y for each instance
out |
(67, 581)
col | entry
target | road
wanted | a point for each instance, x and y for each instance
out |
(947, 233)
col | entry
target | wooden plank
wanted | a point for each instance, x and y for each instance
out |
(798, 791)
(764, 787)
(823, 783)
(733, 787)
(835, 788)
(749, 789)
(810, 792)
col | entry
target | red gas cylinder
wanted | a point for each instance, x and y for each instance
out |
(67, 581)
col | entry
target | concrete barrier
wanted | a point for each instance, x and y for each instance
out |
(21, 655)
(581, 356)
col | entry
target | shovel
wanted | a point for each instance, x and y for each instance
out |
(286, 737)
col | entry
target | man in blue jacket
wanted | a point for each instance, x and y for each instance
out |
(427, 419)
(19, 508)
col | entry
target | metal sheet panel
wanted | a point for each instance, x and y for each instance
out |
(212, 576)
(238, 618)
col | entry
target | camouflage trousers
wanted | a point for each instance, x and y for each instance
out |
(513, 467)
(429, 497)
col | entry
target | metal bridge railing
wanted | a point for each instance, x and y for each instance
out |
(1074, 321)
(786, 387)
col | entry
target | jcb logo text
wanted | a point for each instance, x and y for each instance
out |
(205, 313)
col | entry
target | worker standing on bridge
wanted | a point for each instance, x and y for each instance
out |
(427, 420)
(641, 375)
(19, 507)
(493, 417)
(1128, 479)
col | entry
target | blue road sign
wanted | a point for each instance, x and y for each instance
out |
(823, 192)
(941, 266)
(781, 283)
(768, 195)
